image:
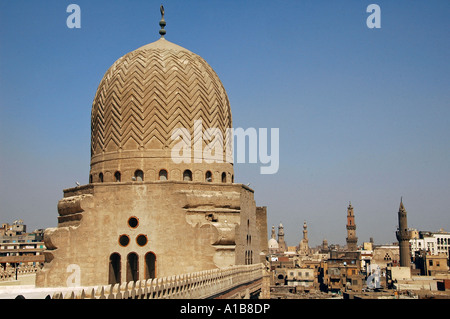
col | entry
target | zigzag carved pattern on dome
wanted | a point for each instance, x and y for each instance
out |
(146, 94)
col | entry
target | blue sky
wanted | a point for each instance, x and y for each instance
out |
(364, 114)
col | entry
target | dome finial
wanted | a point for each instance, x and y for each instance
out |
(162, 23)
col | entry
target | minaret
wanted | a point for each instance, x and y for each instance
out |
(351, 229)
(403, 237)
(325, 245)
(281, 243)
(303, 247)
(305, 232)
(274, 235)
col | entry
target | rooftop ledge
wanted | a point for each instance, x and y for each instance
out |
(89, 188)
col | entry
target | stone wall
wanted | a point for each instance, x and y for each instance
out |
(186, 227)
(10, 273)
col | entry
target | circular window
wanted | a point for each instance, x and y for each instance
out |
(141, 240)
(133, 222)
(124, 240)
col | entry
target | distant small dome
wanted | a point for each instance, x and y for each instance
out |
(273, 243)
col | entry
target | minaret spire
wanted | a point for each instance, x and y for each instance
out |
(351, 239)
(305, 231)
(401, 203)
(281, 243)
(162, 23)
(303, 247)
(403, 236)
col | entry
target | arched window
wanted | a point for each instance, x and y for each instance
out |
(150, 265)
(139, 175)
(187, 175)
(232, 178)
(114, 268)
(90, 179)
(100, 177)
(208, 176)
(224, 177)
(163, 175)
(117, 176)
(132, 267)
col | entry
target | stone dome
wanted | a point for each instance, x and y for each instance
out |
(143, 97)
(273, 244)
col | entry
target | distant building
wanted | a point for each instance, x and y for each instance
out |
(19, 248)
(303, 246)
(431, 265)
(301, 277)
(16, 233)
(273, 243)
(366, 254)
(324, 248)
(352, 240)
(16, 228)
(403, 236)
(432, 242)
(386, 255)
(430, 252)
(341, 271)
(282, 247)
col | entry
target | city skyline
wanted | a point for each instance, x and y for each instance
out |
(363, 114)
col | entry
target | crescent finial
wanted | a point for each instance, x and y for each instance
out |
(162, 23)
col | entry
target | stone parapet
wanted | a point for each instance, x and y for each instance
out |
(198, 285)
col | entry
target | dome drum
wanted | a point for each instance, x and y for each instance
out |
(152, 171)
